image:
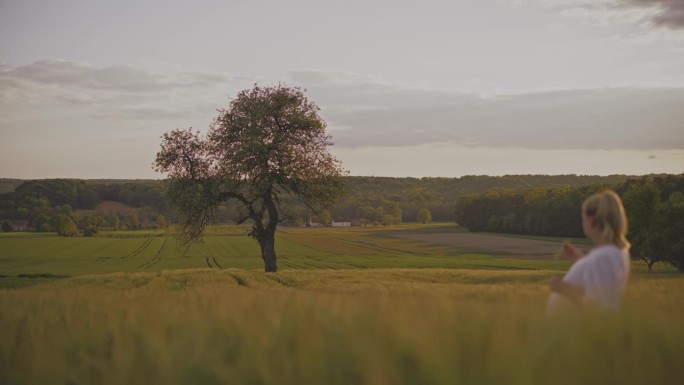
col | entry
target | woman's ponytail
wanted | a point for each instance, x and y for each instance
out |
(608, 214)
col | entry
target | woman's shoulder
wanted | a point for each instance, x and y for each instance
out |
(601, 257)
(608, 256)
(603, 250)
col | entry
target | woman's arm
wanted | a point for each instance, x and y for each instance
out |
(574, 293)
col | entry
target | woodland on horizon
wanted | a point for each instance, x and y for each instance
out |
(438, 194)
(397, 199)
(502, 181)
(517, 204)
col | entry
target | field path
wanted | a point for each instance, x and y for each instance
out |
(497, 245)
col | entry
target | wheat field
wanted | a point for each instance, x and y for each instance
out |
(323, 326)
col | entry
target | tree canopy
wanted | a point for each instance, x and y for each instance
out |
(269, 143)
(424, 216)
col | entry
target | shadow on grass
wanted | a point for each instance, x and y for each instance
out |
(28, 279)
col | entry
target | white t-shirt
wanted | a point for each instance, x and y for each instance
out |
(602, 274)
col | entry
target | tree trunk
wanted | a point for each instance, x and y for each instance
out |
(267, 243)
(649, 262)
(268, 239)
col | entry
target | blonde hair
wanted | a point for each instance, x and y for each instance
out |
(606, 209)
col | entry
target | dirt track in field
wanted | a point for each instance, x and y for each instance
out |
(498, 245)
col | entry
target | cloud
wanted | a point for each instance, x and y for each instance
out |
(128, 93)
(661, 14)
(142, 114)
(608, 13)
(361, 113)
(125, 78)
(670, 12)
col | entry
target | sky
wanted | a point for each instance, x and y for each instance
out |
(408, 88)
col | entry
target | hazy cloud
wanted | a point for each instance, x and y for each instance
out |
(670, 12)
(130, 93)
(362, 113)
(143, 114)
(648, 14)
(114, 78)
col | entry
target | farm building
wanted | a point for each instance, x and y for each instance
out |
(20, 225)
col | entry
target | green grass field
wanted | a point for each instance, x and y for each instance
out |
(27, 258)
(348, 306)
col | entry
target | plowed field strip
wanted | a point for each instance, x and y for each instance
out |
(502, 246)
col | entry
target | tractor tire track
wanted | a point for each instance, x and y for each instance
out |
(216, 262)
(139, 249)
(157, 257)
(206, 259)
(374, 246)
(234, 249)
(104, 247)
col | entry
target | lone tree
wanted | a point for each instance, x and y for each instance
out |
(269, 143)
(642, 202)
(424, 216)
(7, 227)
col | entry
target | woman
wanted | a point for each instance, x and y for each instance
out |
(596, 280)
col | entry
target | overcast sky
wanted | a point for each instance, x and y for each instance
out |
(408, 88)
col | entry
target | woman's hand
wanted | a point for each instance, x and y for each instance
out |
(572, 252)
(556, 284)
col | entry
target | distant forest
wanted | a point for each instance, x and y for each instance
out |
(368, 200)
(547, 205)
(70, 206)
(654, 206)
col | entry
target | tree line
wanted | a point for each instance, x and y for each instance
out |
(66, 206)
(521, 204)
(367, 200)
(654, 206)
(383, 201)
(370, 199)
